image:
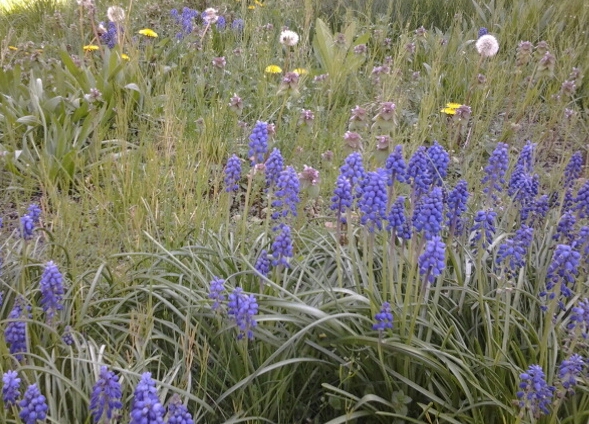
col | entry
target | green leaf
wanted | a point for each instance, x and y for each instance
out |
(29, 120)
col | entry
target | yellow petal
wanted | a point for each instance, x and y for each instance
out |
(273, 69)
(124, 56)
(453, 105)
(91, 48)
(448, 111)
(12, 48)
(148, 32)
(301, 71)
(259, 3)
(252, 7)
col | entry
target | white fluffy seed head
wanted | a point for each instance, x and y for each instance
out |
(116, 14)
(289, 38)
(487, 45)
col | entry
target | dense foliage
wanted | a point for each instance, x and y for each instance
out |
(361, 211)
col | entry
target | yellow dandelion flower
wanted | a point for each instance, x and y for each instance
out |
(91, 48)
(13, 48)
(273, 69)
(448, 111)
(453, 105)
(125, 57)
(148, 32)
(251, 7)
(301, 71)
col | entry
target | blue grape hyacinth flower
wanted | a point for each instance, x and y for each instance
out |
(243, 308)
(178, 412)
(10, 388)
(535, 394)
(52, 290)
(384, 319)
(106, 395)
(146, 407)
(232, 174)
(33, 406)
(432, 261)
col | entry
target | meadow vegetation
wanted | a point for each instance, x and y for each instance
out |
(377, 218)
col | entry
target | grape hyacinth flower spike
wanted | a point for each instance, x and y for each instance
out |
(146, 406)
(33, 406)
(10, 388)
(106, 396)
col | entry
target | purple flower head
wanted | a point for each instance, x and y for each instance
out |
(27, 225)
(146, 407)
(15, 332)
(433, 260)
(232, 174)
(342, 198)
(110, 36)
(565, 228)
(274, 166)
(395, 166)
(67, 337)
(243, 309)
(419, 171)
(581, 242)
(34, 211)
(429, 213)
(237, 25)
(263, 263)
(526, 157)
(384, 318)
(581, 201)
(512, 252)
(178, 412)
(186, 19)
(569, 370)
(106, 395)
(573, 169)
(535, 394)
(373, 200)
(52, 291)
(282, 248)
(484, 227)
(438, 162)
(33, 406)
(457, 199)
(221, 23)
(216, 289)
(258, 143)
(10, 388)
(482, 31)
(397, 217)
(537, 210)
(353, 168)
(580, 318)
(563, 269)
(287, 193)
(495, 171)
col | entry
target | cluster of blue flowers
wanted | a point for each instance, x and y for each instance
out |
(110, 33)
(188, 18)
(106, 395)
(32, 406)
(15, 332)
(384, 318)
(240, 307)
(29, 221)
(535, 394)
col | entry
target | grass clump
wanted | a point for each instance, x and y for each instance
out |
(377, 216)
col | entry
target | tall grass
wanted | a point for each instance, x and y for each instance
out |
(136, 215)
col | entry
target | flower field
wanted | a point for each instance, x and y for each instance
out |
(356, 211)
